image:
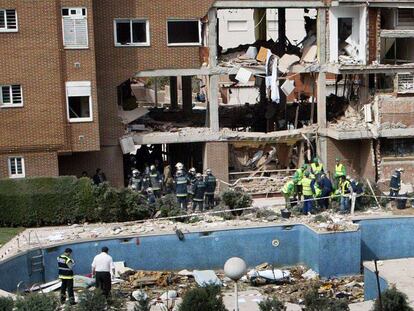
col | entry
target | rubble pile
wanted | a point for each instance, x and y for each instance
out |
(389, 125)
(352, 119)
(268, 185)
(289, 285)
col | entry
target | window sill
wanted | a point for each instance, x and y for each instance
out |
(9, 30)
(132, 45)
(17, 177)
(81, 120)
(76, 47)
(183, 44)
(11, 106)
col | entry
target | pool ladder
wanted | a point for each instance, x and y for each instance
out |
(36, 263)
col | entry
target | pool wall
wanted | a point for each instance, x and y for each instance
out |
(370, 284)
(329, 254)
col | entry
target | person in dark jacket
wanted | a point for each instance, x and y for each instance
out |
(191, 176)
(181, 182)
(325, 185)
(395, 183)
(135, 182)
(211, 184)
(199, 189)
(155, 181)
(65, 272)
(99, 177)
(150, 196)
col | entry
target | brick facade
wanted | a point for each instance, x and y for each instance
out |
(216, 157)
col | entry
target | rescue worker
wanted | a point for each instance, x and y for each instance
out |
(65, 271)
(181, 189)
(191, 176)
(155, 181)
(395, 183)
(199, 189)
(168, 179)
(298, 177)
(211, 184)
(151, 196)
(146, 183)
(308, 190)
(358, 189)
(340, 171)
(346, 191)
(288, 192)
(316, 168)
(326, 190)
(180, 167)
(135, 182)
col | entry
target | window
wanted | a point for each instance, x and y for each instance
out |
(75, 28)
(79, 101)
(8, 20)
(405, 83)
(16, 167)
(131, 32)
(239, 26)
(183, 32)
(405, 17)
(11, 96)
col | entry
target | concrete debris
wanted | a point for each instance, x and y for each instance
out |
(286, 61)
(120, 268)
(243, 75)
(206, 277)
(352, 119)
(389, 125)
(310, 275)
(269, 276)
(139, 295)
(288, 87)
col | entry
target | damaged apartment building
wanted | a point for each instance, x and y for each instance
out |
(236, 86)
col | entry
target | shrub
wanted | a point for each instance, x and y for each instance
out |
(6, 304)
(271, 304)
(168, 206)
(315, 302)
(236, 199)
(38, 302)
(203, 299)
(66, 200)
(91, 300)
(392, 300)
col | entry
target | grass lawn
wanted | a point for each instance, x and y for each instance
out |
(6, 234)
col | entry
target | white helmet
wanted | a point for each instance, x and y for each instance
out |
(135, 171)
(179, 166)
(152, 167)
(192, 170)
(179, 173)
(198, 175)
(208, 171)
(149, 190)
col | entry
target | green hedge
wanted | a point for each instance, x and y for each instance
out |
(66, 200)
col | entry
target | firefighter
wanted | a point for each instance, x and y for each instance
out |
(211, 184)
(199, 189)
(395, 183)
(65, 271)
(135, 182)
(181, 182)
(155, 181)
(298, 177)
(191, 176)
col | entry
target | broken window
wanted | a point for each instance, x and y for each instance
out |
(16, 167)
(8, 20)
(347, 36)
(397, 50)
(131, 32)
(397, 147)
(405, 17)
(75, 28)
(184, 32)
(11, 96)
(405, 83)
(237, 26)
(79, 101)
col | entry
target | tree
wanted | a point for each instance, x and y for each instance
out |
(203, 299)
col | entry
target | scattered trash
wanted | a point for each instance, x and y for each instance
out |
(273, 275)
(80, 281)
(139, 295)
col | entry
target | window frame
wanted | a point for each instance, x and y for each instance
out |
(131, 20)
(9, 164)
(75, 47)
(11, 105)
(183, 43)
(79, 84)
(5, 30)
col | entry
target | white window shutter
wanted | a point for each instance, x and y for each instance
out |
(75, 32)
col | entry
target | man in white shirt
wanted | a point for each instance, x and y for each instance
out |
(102, 266)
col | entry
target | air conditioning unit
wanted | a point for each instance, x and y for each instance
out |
(405, 82)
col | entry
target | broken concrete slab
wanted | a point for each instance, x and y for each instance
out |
(132, 115)
(288, 87)
(286, 61)
(206, 277)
